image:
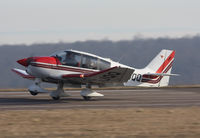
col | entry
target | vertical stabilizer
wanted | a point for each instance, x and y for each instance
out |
(162, 63)
(156, 73)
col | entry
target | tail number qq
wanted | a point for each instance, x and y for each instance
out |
(136, 77)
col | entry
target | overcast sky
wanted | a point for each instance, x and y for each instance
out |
(37, 21)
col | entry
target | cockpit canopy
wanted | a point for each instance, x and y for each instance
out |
(76, 59)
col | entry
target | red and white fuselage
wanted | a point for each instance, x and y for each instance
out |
(76, 67)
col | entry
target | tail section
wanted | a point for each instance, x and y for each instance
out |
(161, 61)
(161, 64)
(156, 73)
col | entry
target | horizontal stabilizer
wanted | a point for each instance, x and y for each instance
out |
(23, 73)
(160, 74)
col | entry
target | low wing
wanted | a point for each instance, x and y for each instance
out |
(23, 73)
(111, 75)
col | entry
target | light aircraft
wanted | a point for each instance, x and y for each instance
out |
(76, 67)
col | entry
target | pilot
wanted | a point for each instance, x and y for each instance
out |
(70, 59)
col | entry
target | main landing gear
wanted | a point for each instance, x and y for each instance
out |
(59, 92)
(86, 93)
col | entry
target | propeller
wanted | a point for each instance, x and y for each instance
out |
(25, 61)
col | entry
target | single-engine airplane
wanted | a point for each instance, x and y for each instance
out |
(76, 67)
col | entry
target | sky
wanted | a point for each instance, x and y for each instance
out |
(47, 21)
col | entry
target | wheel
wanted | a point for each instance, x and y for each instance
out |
(33, 93)
(87, 98)
(56, 98)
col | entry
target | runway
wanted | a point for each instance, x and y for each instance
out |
(163, 97)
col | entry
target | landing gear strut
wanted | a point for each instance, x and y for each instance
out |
(59, 92)
(88, 93)
(35, 88)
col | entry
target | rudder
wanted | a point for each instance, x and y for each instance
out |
(162, 63)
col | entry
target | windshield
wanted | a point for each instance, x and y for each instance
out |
(70, 58)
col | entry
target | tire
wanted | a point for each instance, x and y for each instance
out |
(87, 98)
(56, 98)
(33, 93)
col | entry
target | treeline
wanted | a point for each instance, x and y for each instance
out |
(136, 53)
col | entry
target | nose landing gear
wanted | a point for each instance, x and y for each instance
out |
(35, 88)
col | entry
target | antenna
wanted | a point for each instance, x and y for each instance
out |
(121, 58)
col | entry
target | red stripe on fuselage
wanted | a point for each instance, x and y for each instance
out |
(58, 67)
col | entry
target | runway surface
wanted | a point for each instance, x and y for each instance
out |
(170, 97)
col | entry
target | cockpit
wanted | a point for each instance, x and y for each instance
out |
(76, 59)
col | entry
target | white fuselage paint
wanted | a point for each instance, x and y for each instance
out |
(45, 70)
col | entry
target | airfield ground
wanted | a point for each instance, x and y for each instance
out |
(99, 123)
(169, 112)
